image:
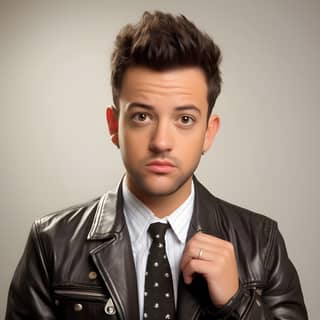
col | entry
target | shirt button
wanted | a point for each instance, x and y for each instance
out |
(78, 307)
(92, 275)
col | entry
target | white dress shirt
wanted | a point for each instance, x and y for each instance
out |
(138, 218)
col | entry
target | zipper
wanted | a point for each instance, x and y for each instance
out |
(254, 285)
(196, 314)
(80, 294)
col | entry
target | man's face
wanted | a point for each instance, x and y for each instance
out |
(163, 129)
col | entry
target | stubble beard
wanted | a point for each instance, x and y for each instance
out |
(145, 189)
(174, 187)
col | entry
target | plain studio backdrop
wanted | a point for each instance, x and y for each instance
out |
(54, 86)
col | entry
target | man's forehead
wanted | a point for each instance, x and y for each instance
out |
(141, 83)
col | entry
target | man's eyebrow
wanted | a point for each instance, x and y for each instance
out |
(138, 105)
(188, 107)
(150, 107)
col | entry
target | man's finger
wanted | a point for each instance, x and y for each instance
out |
(195, 266)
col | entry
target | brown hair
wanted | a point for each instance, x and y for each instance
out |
(162, 41)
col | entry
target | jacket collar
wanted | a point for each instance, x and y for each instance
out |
(205, 216)
(109, 219)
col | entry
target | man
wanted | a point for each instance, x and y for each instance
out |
(102, 259)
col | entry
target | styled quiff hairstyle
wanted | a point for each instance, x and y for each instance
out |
(161, 41)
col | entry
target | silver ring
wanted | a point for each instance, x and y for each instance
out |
(200, 254)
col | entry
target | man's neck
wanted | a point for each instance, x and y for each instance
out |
(162, 206)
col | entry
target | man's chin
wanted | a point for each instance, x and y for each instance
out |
(162, 187)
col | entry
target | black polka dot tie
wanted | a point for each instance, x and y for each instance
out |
(158, 289)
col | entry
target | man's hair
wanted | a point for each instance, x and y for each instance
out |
(162, 41)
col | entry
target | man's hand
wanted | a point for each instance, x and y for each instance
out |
(215, 260)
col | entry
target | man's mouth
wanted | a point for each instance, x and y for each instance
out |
(161, 166)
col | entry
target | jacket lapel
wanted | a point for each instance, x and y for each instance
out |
(195, 297)
(188, 306)
(113, 257)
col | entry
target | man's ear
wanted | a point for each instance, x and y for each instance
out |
(112, 122)
(212, 130)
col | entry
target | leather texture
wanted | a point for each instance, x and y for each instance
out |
(78, 264)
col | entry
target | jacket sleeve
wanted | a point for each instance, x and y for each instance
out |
(281, 298)
(29, 293)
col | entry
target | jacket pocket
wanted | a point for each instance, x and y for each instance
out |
(83, 303)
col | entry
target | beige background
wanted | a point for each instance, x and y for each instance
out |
(54, 86)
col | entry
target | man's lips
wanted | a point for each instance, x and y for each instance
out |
(160, 166)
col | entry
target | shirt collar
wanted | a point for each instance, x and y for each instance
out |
(138, 216)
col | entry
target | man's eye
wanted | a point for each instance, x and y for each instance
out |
(186, 120)
(140, 117)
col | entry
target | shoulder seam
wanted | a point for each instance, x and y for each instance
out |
(271, 240)
(38, 242)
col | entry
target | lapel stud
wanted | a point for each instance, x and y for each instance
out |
(92, 275)
(109, 308)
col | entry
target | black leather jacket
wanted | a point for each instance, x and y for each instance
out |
(78, 264)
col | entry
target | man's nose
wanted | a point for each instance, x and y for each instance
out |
(162, 138)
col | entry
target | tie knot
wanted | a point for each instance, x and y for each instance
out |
(157, 230)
